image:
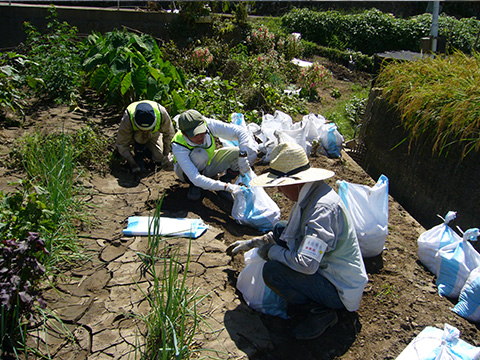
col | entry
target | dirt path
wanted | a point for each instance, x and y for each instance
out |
(96, 299)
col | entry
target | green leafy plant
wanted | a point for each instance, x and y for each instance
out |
(125, 67)
(12, 80)
(290, 46)
(23, 211)
(56, 57)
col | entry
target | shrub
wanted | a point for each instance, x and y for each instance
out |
(372, 31)
(260, 40)
(311, 78)
(201, 57)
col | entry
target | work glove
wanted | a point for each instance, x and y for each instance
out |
(233, 188)
(263, 251)
(243, 165)
(167, 164)
(245, 245)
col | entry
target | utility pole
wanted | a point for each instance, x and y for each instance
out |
(434, 28)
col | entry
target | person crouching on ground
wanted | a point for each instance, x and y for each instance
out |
(198, 162)
(313, 260)
(147, 128)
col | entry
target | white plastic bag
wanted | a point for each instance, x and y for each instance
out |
(468, 305)
(368, 208)
(270, 123)
(331, 141)
(256, 294)
(455, 263)
(437, 344)
(434, 239)
(253, 206)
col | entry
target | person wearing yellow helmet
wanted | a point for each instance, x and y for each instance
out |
(146, 130)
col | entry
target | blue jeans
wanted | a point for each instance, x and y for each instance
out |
(297, 288)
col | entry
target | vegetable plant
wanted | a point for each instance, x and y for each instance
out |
(126, 67)
(55, 58)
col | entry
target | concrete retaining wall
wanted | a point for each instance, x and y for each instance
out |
(85, 19)
(424, 184)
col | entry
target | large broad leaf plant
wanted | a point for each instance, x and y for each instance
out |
(125, 67)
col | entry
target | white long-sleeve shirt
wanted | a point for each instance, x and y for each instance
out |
(218, 129)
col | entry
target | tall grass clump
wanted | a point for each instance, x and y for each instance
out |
(438, 99)
(173, 318)
(50, 162)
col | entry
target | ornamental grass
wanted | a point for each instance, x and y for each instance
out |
(438, 98)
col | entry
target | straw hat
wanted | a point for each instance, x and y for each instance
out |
(289, 165)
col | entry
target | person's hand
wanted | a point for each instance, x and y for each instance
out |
(243, 165)
(245, 245)
(167, 164)
(263, 251)
(233, 188)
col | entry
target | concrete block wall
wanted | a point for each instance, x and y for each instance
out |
(12, 16)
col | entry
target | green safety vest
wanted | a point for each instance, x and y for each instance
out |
(180, 140)
(133, 106)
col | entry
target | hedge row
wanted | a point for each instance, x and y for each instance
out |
(372, 31)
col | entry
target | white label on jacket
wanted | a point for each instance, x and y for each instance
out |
(313, 247)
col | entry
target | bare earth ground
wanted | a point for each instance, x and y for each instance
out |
(96, 299)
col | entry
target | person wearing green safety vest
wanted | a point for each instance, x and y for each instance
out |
(198, 162)
(146, 130)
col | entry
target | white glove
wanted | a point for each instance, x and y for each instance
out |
(233, 188)
(243, 165)
(245, 245)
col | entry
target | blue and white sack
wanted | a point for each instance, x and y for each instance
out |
(434, 239)
(456, 262)
(253, 206)
(368, 208)
(436, 344)
(256, 294)
(468, 305)
(331, 141)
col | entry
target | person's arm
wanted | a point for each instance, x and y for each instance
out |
(320, 233)
(182, 155)
(230, 132)
(167, 130)
(125, 138)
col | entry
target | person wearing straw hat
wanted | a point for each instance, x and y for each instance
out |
(313, 260)
(147, 128)
(197, 160)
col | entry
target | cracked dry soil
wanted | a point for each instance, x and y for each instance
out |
(95, 299)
